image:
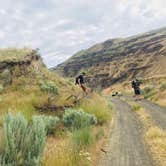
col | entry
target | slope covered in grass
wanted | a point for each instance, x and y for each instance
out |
(28, 87)
(13, 54)
(117, 60)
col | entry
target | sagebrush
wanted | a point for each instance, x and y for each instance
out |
(78, 118)
(50, 122)
(24, 142)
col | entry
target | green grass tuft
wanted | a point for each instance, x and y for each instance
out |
(82, 138)
(97, 106)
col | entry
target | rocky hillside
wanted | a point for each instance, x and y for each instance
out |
(18, 62)
(121, 59)
(26, 83)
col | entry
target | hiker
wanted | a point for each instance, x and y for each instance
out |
(136, 87)
(80, 81)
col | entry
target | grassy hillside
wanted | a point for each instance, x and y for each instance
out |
(23, 80)
(48, 114)
(13, 54)
(118, 60)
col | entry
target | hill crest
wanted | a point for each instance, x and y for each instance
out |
(118, 60)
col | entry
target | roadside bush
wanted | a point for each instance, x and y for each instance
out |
(149, 92)
(97, 106)
(78, 119)
(24, 143)
(48, 87)
(136, 107)
(50, 122)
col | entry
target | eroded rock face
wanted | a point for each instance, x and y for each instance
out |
(119, 60)
(11, 69)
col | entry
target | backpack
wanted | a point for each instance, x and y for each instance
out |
(76, 80)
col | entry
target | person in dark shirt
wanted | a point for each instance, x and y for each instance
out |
(80, 81)
(136, 87)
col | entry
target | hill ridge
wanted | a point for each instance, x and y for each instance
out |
(120, 59)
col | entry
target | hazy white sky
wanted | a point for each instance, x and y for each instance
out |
(62, 27)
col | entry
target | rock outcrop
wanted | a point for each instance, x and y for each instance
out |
(18, 66)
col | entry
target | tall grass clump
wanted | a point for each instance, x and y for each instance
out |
(76, 119)
(24, 143)
(82, 138)
(136, 107)
(1, 88)
(97, 106)
(149, 92)
(163, 87)
(48, 87)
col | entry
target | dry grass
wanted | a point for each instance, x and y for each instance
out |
(60, 150)
(161, 98)
(156, 139)
(13, 54)
(97, 106)
(154, 136)
(19, 101)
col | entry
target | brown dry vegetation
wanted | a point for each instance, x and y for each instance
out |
(60, 151)
(155, 137)
(24, 94)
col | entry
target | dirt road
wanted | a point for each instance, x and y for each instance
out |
(157, 112)
(125, 146)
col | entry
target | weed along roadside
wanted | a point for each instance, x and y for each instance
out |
(155, 136)
(82, 138)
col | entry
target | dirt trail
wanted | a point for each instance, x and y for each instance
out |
(157, 112)
(125, 145)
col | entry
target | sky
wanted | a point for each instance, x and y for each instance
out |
(60, 28)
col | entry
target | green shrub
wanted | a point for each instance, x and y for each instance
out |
(24, 143)
(82, 138)
(50, 122)
(14, 130)
(136, 107)
(149, 92)
(6, 77)
(48, 87)
(97, 106)
(163, 87)
(34, 143)
(78, 119)
(1, 88)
